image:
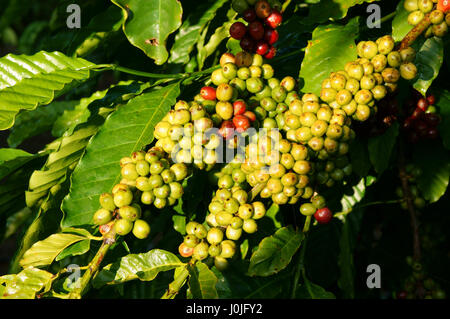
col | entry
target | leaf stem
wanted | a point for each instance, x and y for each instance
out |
(300, 269)
(412, 35)
(179, 281)
(94, 265)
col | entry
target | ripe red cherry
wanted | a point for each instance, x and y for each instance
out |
(256, 30)
(271, 53)
(249, 15)
(271, 36)
(443, 5)
(208, 93)
(262, 47)
(226, 129)
(274, 19)
(238, 30)
(250, 115)
(241, 122)
(431, 99)
(239, 107)
(323, 215)
(248, 44)
(421, 128)
(263, 9)
(422, 104)
(185, 251)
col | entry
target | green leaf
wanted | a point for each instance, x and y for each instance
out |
(400, 25)
(145, 267)
(434, 160)
(232, 284)
(11, 159)
(330, 48)
(100, 27)
(44, 252)
(444, 110)
(59, 164)
(429, 59)
(191, 29)
(76, 249)
(128, 129)
(205, 50)
(202, 282)
(348, 201)
(272, 213)
(310, 290)
(13, 10)
(148, 24)
(244, 248)
(275, 252)
(24, 285)
(30, 36)
(381, 147)
(42, 120)
(331, 9)
(29, 81)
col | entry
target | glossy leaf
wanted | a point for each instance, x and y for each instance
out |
(26, 284)
(348, 201)
(429, 59)
(29, 81)
(76, 249)
(191, 29)
(44, 252)
(400, 25)
(275, 252)
(148, 24)
(434, 160)
(145, 267)
(32, 123)
(11, 159)
(330, 48)
(59, 163)
(202, 282)
(331, 9)
(310, 290)
(381, 148)
(127, 130)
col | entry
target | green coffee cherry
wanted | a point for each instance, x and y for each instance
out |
(141, 229)
(123, 227)
(102, 216)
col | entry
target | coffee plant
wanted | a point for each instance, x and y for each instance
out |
(224, 149)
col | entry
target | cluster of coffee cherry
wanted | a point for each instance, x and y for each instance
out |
(422, 118)
(260, 34)
(439, 20)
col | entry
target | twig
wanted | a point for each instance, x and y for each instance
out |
(415, 32)
(177, 284)
(94, 265)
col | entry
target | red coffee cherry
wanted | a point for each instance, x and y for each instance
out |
(239, 107)
(256, 30)
(432, 119)
(262, 47)
(249, 15)
(271, 53)
(422, 104)
(185, 251)
(431, 99)
(241, 122)
(238, 30)
(417, 114)
(323, 215)
(274, 19)
(250, 115)
(226, 129)
(271, 36)
(443, 5)
(208, 93)
(248, 44)
(263, 9)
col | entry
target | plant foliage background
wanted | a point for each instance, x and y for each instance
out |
(79, 113)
